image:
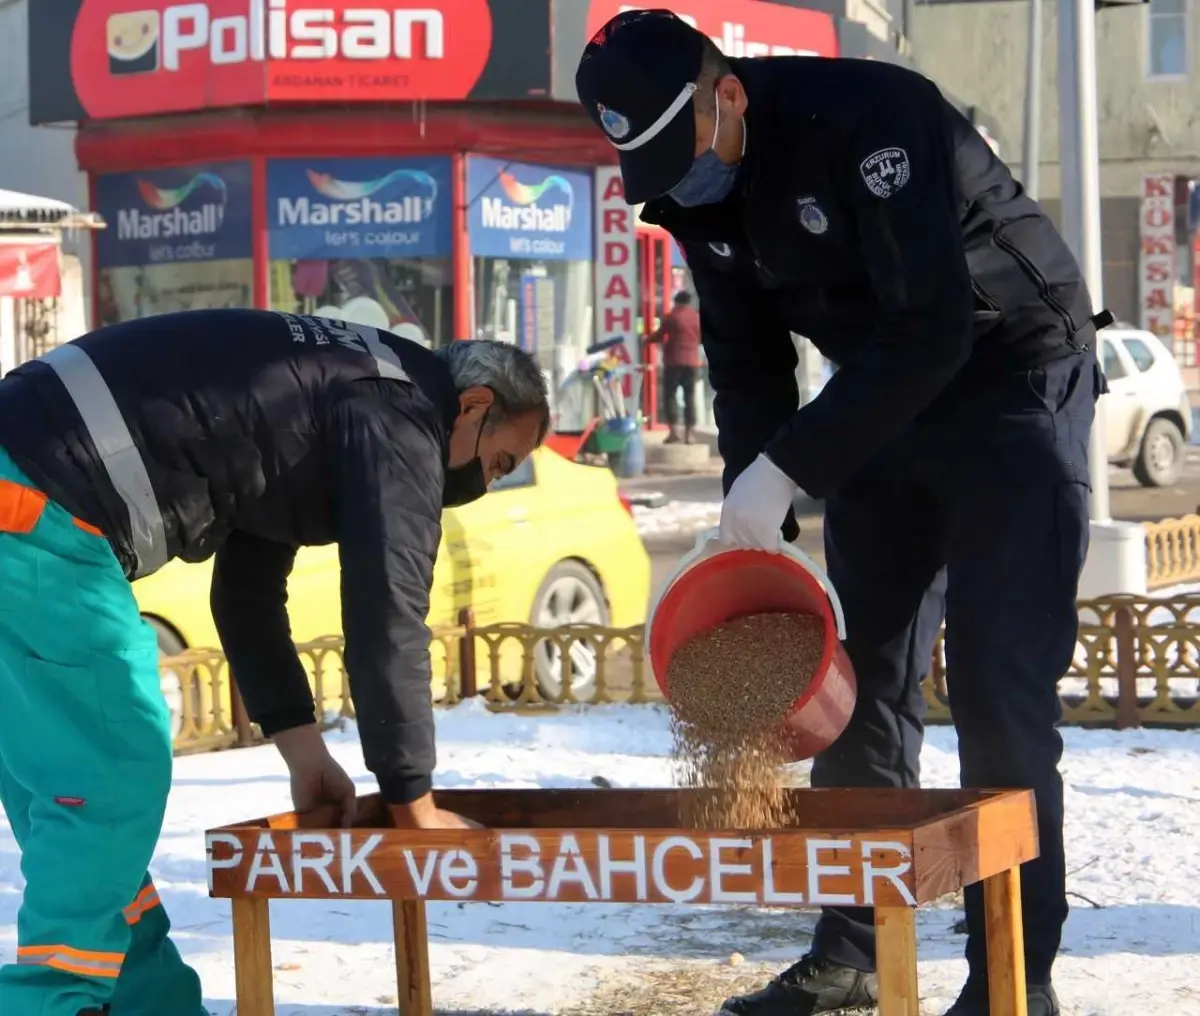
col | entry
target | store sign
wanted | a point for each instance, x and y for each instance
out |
(616, 261)
(740, 27)
(192, 213)
(1156, 260)
(29, 270)
(515, 210)
(359, 208)
(101, 59)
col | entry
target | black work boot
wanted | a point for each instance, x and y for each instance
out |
(1041, 1001)
(809, 987)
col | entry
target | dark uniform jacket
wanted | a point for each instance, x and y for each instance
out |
(262, 433)
(870, 217)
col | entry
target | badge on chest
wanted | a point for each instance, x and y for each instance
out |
(810, 215)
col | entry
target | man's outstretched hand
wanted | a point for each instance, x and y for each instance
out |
(316, 778)
(424, 814)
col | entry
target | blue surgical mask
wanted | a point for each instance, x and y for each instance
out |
(710, 180)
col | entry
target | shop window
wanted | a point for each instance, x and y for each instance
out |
(177, 239)
(386, 294)
(540, 305)
(363, 239)
(530, 234)
(1167, 38)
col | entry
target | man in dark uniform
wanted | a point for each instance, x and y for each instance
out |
(247, 435)
(847, 201)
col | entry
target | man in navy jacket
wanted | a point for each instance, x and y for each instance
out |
(847, 201)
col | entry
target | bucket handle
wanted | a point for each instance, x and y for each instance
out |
(707, 545)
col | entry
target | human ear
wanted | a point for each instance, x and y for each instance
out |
(731, 94)
(477, 399)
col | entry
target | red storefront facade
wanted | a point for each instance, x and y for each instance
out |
(423, 154)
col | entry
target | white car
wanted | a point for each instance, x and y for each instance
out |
(1148, 419)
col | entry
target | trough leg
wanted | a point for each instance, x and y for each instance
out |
(412, 958)
(896, 961)
(1005, 943)
(253, 971)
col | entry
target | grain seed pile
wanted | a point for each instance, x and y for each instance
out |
(730, 690)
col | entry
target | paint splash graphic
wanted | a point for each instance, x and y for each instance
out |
(329, 186)
(526, 194)
(163, 199)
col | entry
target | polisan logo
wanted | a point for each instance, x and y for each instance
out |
(213, 53)
(272, 29)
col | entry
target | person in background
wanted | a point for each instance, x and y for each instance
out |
(241, 435)
(847, 201)
(679, 334)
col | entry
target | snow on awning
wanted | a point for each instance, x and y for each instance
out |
(27, 211)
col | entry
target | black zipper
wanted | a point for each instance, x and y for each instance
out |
(1039, 280)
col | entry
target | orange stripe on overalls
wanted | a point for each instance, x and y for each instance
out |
(74, 961)
(146, 900)
(20, 507)
(87, 527)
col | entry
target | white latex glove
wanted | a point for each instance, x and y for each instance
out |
(754, 509)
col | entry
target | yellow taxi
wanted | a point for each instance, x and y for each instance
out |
(554, 543)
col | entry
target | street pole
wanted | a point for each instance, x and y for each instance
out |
(1031, 147)
(1116, 559)
(1080, 165)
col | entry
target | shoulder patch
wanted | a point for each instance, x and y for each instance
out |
(886, 171)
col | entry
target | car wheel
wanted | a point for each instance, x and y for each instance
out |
(170, 644)
(1161, 458)
(570, 594)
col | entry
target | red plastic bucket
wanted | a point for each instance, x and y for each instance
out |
(715, 584)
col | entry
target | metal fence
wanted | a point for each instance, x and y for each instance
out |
(1137, 662)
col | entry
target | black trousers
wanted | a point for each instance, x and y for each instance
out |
(979, 515)
(675, 378)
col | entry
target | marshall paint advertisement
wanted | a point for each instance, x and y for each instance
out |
(105, 59)
(517, 210)
(365, 208)
(166, 216)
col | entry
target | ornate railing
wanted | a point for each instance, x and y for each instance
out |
(1172, 552)
(1137, 662)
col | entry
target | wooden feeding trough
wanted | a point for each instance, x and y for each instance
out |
(892, 850)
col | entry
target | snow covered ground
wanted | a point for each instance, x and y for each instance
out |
(1132, 943)
(676, 519)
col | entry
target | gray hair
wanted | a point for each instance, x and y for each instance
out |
(511, 373)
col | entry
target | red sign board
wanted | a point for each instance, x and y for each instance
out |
(740, 27)
(142, 57)
(131, 57)
(1156, 263)
(29, 270)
